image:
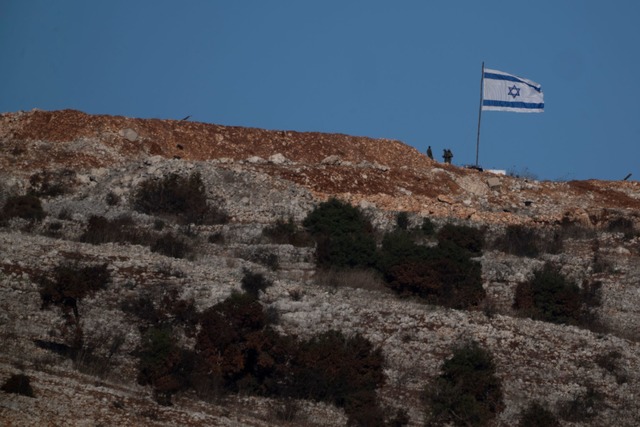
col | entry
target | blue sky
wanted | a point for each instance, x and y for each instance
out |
(405, 69)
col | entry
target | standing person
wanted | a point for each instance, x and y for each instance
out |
(429, 153)
(447, 155)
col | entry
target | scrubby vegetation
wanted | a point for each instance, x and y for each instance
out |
(536, 415)
(18, 384)
(551, 297)
(444, 275)
(254, 283)
(526, 241)
(467, 392)
(343, 234)
(71, 283)
(51, 184)
(172, 246)
(119, 230)
(182, 197)
(27, 207)
(287, 232)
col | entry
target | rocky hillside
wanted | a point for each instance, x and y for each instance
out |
(84, 169)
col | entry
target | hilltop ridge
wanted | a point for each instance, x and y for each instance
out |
(386, 173)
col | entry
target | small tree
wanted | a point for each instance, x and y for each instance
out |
(467, 393)
(71, 283)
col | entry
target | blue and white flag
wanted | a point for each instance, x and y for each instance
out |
(506, 92)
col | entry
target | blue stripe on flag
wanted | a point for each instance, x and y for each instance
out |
(509, 78)
(529, 105)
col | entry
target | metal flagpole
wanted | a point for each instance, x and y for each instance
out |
(480, 113)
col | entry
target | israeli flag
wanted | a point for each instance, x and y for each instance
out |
(506, 92)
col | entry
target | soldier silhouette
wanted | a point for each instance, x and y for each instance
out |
(429, 153)
(447, 156)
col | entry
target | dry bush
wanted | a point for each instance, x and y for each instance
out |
(368, 279)
(287, 232)
(172, 246)
(52, 184)
(119, 230)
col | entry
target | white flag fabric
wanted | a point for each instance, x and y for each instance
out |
(506, 92)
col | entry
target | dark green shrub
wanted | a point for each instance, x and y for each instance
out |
(427, 227)
(70, 283)
(112, 199)
(254, 283)
(468, 238)
(182, 197)
(344, 236)
(402, 220)
(283, 233)
(467, 393)
(164, 365)
(172, 246)
(536, 415)
(551, 297)
(18, 384)
(27, 207)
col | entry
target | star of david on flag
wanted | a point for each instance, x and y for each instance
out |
(506, 92)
